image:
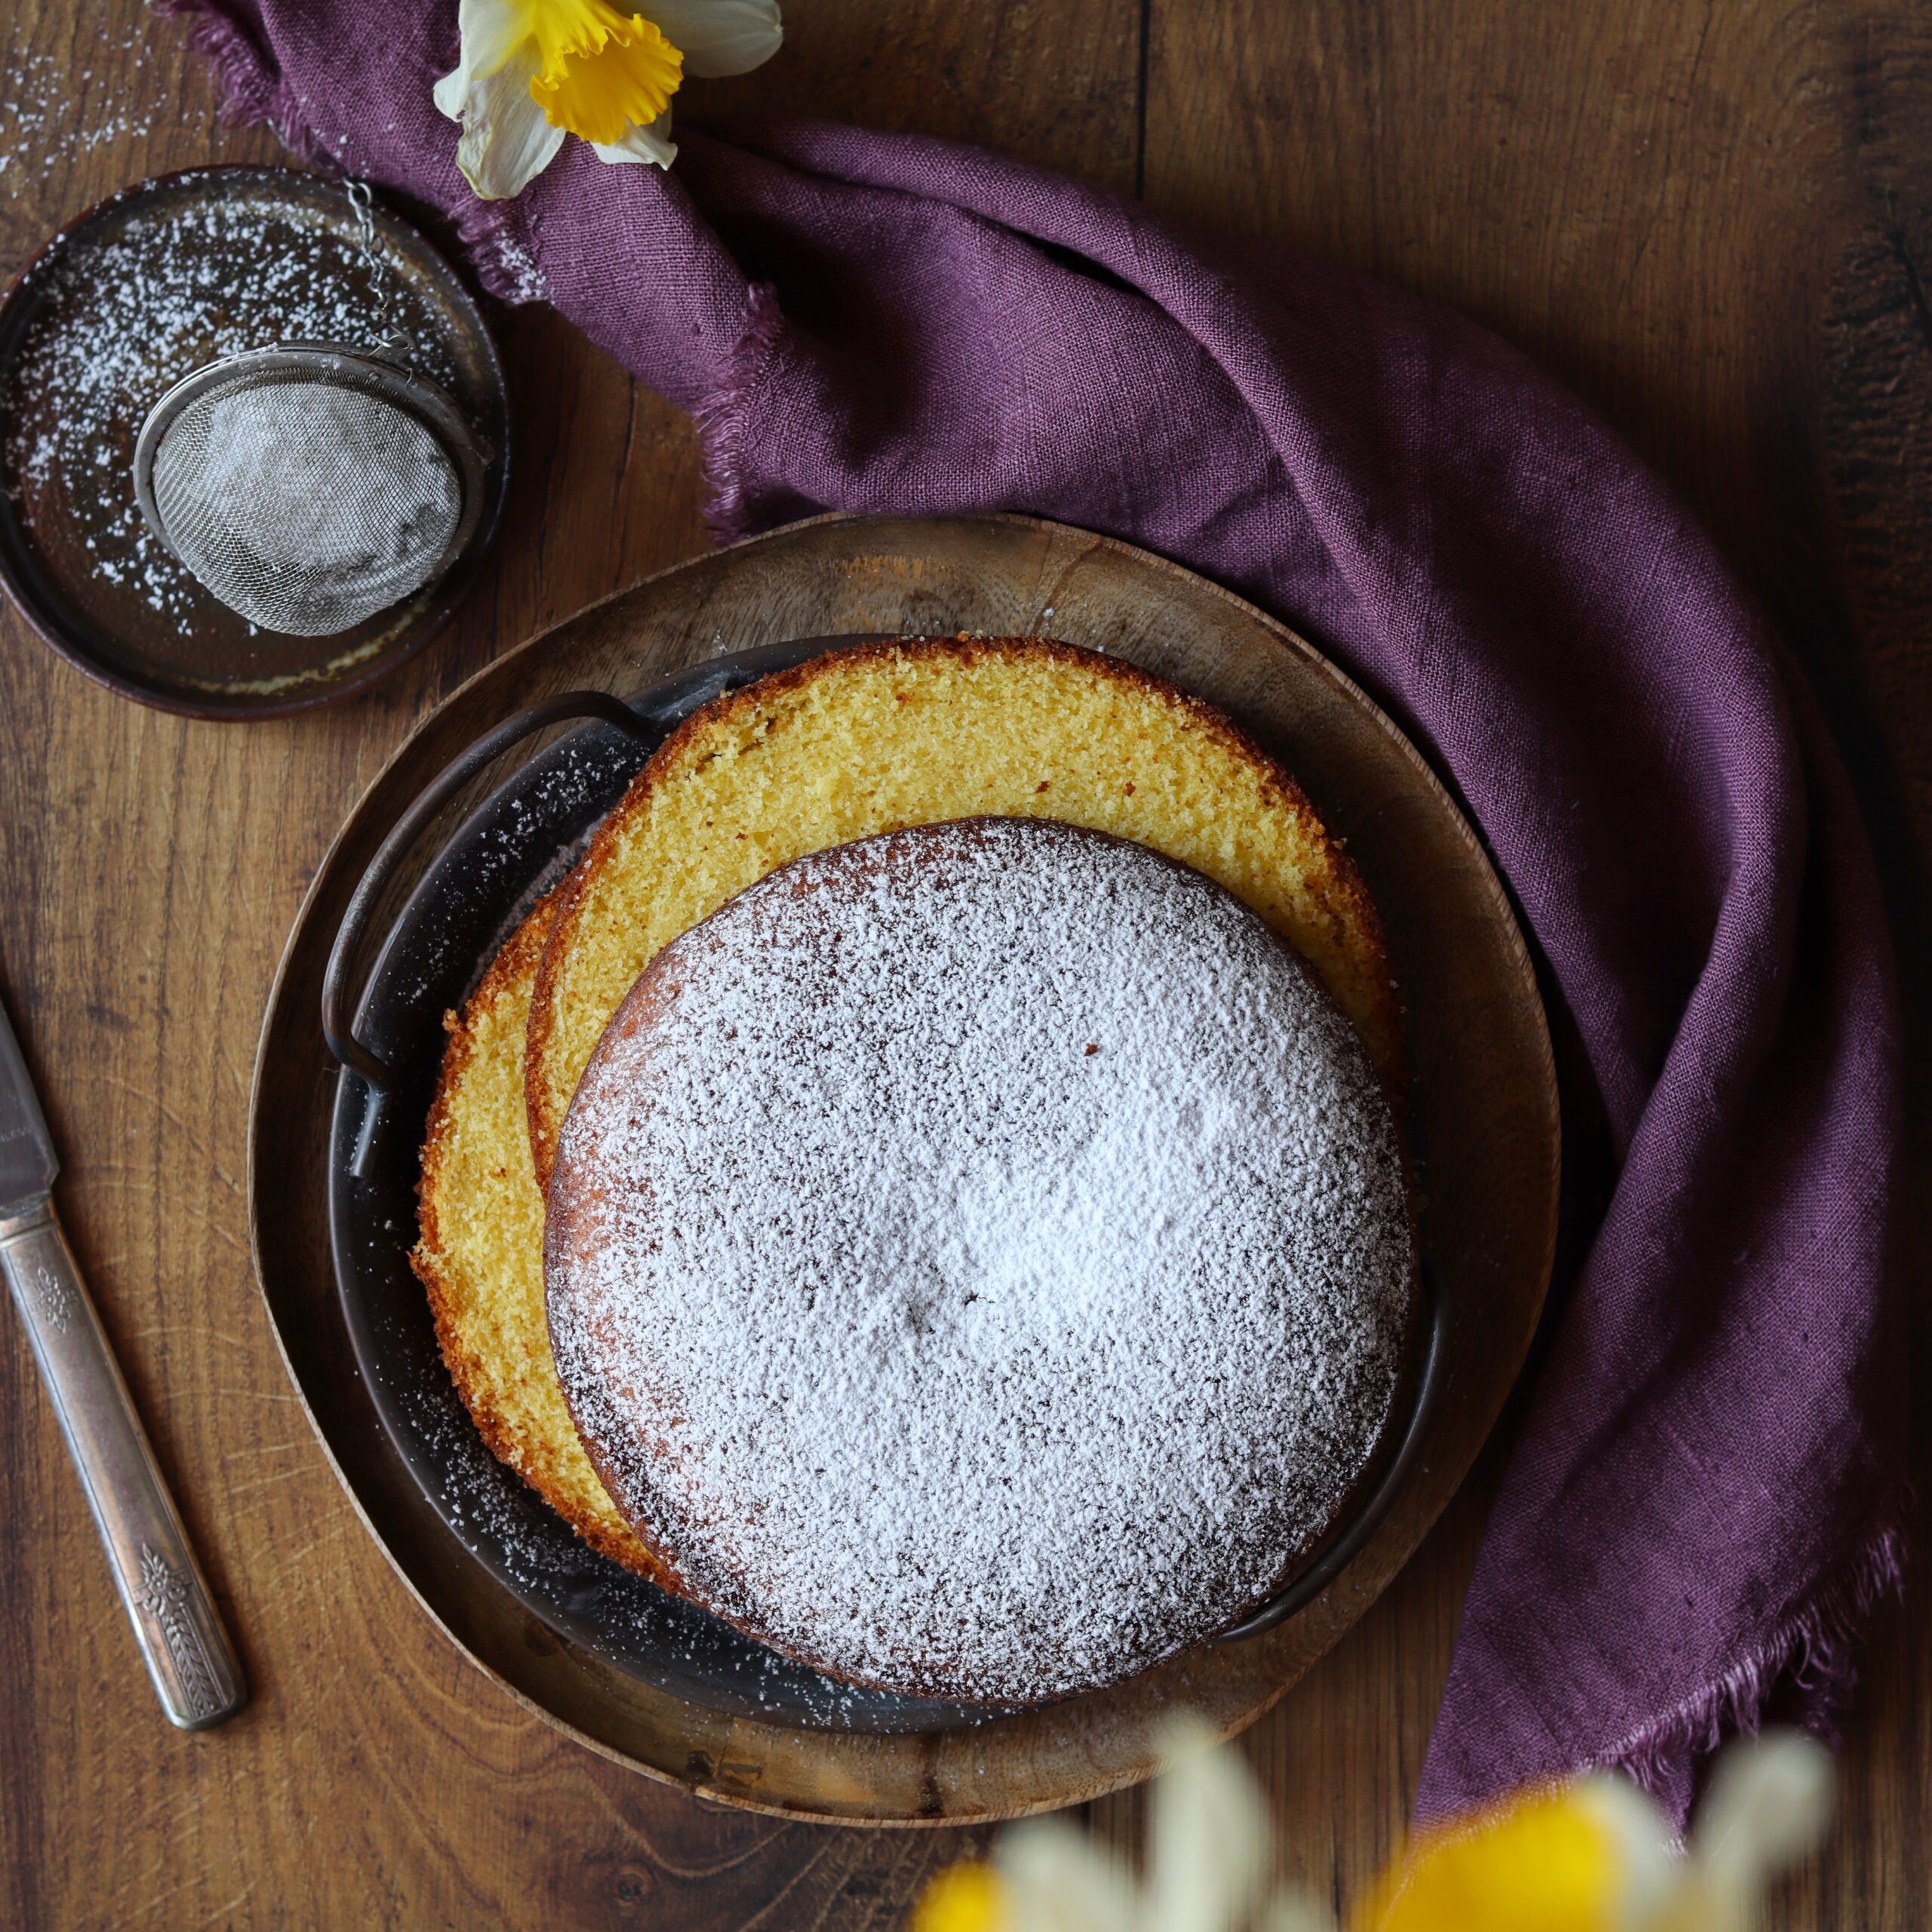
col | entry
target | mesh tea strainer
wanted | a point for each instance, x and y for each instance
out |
(309, 485)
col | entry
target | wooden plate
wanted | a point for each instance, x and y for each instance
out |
(1483, 1119)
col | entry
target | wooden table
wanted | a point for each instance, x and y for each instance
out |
(1715, 220)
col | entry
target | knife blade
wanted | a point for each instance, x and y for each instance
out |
(28, 1164)
(182, 1639)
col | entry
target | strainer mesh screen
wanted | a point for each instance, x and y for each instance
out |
(306, 506)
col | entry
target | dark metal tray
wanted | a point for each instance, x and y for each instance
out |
(494, 865)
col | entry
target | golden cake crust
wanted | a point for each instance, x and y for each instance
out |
(1124, 752)
(478, 1255)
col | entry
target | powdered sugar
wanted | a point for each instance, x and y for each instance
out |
(980, 1255)
(123, 318)
(39, 122)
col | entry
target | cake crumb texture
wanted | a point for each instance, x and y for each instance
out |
(480, 1253)
(869, 740)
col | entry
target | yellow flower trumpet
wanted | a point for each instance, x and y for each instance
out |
(531, 72)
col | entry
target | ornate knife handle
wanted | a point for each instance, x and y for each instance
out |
(182, 1642)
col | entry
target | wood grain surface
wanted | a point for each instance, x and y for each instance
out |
(1714, 219)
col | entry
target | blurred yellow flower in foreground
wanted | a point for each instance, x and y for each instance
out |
(1595, 1855)
(966, 1897)
(530, 72)
(1590, 1858)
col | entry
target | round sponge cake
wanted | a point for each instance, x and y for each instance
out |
(871, 738)
(979, 1258)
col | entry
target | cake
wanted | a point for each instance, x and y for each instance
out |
(978, 1259)
(848, 745)
(479, 1253)
(869, 738)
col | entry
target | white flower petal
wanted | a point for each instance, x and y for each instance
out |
(1649, 1873)
(652, 143)
(490, 31)
(1207, 1854)
(506, 143)
(717, 38)
(451, 93)
(1056, 1881)
(1768, 1804)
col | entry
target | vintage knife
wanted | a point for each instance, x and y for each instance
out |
(182, 1642)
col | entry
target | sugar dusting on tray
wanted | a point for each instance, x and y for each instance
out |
(121, 321)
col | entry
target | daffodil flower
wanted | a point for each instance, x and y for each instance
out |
(1591, 1856)
(1207, 1869)
(1596, 1855)
(530, 72)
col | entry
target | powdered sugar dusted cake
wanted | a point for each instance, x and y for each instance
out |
(978, 1259)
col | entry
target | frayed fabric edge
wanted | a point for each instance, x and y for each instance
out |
(249, 90)
(1812, 1648)
(723, 418)
(496, 238)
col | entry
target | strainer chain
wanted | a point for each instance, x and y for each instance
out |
(393, 341)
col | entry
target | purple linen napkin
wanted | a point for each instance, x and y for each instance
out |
(1705, 1495)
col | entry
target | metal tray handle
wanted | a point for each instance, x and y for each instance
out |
(338, 1004)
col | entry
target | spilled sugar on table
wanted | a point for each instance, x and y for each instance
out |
(1713, 221)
